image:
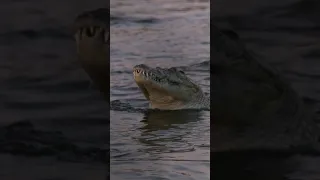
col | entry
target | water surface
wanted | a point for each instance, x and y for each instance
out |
(285, 35)
(55, 126)
(153, 144)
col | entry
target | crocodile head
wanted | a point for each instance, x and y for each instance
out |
(166, 88)
(92, 35)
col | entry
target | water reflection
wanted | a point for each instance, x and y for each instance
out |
(162, 120)
(154, 144)
(170, 131)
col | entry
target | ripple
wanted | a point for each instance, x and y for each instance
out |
(122, 20)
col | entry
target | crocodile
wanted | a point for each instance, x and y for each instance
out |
(92, 36)
(169, 88)
(253, 105)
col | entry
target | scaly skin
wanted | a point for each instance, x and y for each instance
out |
(169, 89)
(252, 106)
(91, 31)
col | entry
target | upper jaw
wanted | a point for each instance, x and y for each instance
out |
(88, 22)
(94, 23)
(147, 76)
(99, 17)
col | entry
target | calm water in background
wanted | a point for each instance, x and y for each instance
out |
(65, 121)
(158, 145)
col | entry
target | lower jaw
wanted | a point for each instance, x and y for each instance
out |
(94, 59)
(100, 75)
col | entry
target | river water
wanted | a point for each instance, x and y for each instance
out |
(286, 35)
(54, 125)
(158, 145)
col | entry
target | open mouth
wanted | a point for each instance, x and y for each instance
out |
(144, 73)
(145, 81)
(92, 32)
(155, 93)
(144, 91)
(148, 75)
(93, 24)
